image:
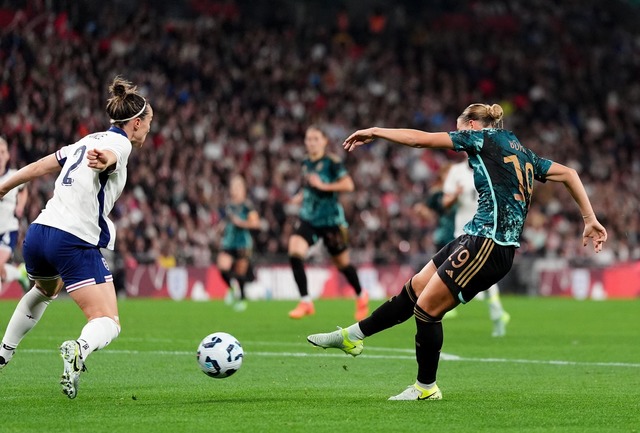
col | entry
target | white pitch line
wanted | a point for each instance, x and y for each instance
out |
(450, 357)
(336, 354)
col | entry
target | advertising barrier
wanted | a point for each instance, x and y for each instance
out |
(616, 282)
(272, 282)
(276, 282)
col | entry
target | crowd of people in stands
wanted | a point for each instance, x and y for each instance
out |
(234, 95)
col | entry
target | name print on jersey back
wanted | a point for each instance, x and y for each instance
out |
(504, 172)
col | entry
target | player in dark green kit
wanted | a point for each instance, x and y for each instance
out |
(504, 171)
(237, 243)
(434, 210)
(322, 217)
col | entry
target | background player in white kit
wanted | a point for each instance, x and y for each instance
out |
(459, 188)
(11, 209)
(62, 245)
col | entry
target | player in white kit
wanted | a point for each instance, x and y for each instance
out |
(11, 208)
(459, 188)
(62, 245)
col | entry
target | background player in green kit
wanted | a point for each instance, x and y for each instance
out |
(504, 171)
(322, 217)
(237, 243)
(434, 210)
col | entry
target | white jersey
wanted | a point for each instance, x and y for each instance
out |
(82, 197)
(460, 177)
(8, 220)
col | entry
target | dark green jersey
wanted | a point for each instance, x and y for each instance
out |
(234, 237)
(322, 208)
(503, 172)
(443, 234)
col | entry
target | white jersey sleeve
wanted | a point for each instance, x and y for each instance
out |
(460, 178)
(8, 221)
(82, 197)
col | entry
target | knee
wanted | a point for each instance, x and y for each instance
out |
(113, 323)
(116, 321)
(424, 316)
(49, 288)
(410, 291)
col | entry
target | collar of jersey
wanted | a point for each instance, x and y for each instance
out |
(118, 131)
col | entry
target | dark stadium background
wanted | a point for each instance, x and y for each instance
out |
(235, 83)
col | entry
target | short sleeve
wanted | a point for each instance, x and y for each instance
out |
(470, 141)
(61, 155)
(120, 148)
(541, 167)
(339, 169)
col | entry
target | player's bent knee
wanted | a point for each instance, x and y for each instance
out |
(49, 288)
(110, 329)
(116, 321)
(423, 316)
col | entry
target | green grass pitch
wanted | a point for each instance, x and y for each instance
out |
(564, 366)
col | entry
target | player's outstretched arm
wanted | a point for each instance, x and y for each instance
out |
(406, 137)
(592, 228)
(46, 165)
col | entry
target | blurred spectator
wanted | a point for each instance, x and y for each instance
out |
(233, 94)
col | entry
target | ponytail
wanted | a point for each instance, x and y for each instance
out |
(125, 103)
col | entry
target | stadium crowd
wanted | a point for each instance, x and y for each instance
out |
(232, 94)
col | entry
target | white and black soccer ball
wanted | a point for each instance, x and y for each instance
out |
(220, 355)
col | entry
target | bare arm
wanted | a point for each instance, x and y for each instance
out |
(449, 200)
(252, 222)
(425, 212)
(344, 184)
(46, 165)
(407, 137)
(592, 228)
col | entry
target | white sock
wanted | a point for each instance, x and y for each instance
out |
(97, 334)
(355, 333)
(306, 298)
(12, 272)
(27, 313)
(495, 306)
(426, 386)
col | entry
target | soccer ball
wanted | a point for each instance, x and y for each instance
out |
(220, 355)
